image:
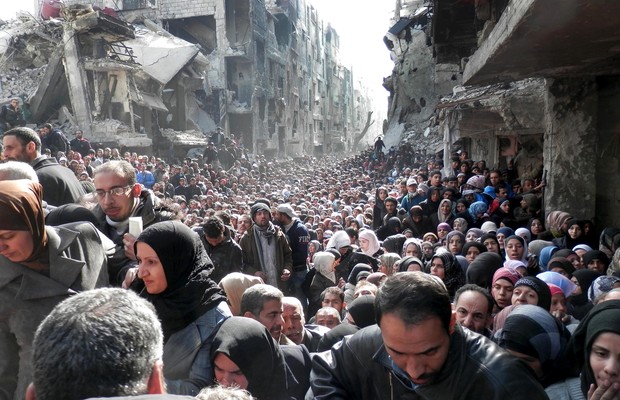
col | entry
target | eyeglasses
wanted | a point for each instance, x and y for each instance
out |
(117, 191)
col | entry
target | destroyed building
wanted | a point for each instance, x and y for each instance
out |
(166, 73)
(532, 82)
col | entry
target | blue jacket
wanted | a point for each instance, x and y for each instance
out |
(298, 238)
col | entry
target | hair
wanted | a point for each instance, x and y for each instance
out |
(329, 311)
(224, 393)
(294, 301)
(25, 136)
(121, 168)
(471, 287)
(254, 298)
(99, 343)
(213, 227)
(14, 170)
(414, 297)
(332, 290)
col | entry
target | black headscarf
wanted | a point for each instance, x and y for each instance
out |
(362, 310)
(190, 292)
(604, 317)
(541, 289)
(595, 255)
(454, 277)
(482, 269)
(250, 345)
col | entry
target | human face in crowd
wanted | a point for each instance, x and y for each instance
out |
(227, 373)
(472, 311)
(455, 245)
(262, 218)
(495, 178)
(383, 194)
(472, 253)
(332, 300)
(470, 237)
(575, 260)
(436, 180)
(116, 206)
(419, 350)
(458, 225)
(412, 250)
(502, 292)
(150, 269)
(442, 232)
(491, 245)
(437, 268)
(524, 295)
(14, 150)
(364, 244)
(390, 207)
(293, 323)
(514, 249)
(597, 265)
(574, 231)
(558, 304)
(271, 317)
(327, 319)
(445, 208)
(17, 246)
(500, 238)
(605, 359)
(536, 227)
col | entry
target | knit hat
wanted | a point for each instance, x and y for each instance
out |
(489, 226)
(259, 206)
(362, 310)
(287, 209)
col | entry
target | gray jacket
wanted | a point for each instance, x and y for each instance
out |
(77, 263)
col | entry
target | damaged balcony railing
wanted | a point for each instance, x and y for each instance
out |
(121, 52)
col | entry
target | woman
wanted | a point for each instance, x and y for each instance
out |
(443, 229)
(502, 234)
(324, 264)
(443, 214)
(387, 262)
(460, 224)
(583, 279)
(445, 267)
(173, 274)
(490, 241)
(536, 337)
(483, 268)
(473, 235)
(39, 267)
(411, 247)
(234, 284)
(504, 281)
(410, 264)
(472, 250)
(313, 247)
(477, 211)
(594, 349)
(572, 237)
(535, 226)
(245, 355)
(516, 248)
(370, 247)
(455, 241)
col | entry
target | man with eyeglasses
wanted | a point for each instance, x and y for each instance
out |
(120, 196)
(60, 185)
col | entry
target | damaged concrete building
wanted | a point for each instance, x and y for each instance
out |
(534, 82)
(166, 73)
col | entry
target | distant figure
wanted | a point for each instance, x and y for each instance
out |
(54, 140)
(11, 116)
(80, 144)
(379, 146)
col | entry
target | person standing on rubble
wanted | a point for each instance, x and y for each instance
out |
(11, 116)
(80, 144)
(53, 139)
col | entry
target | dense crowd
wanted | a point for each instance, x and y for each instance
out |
(451, 281)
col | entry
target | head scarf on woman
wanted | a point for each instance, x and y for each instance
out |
(249, 345)
(190, 292)
(323, 264)
(441, 217)
(482, 269)
(454, 277)
(373, 242)
(234, 284)
(476, 209)
(541, 288)
(604, 317)
(21, 210)
(555, 221)
(523, 243)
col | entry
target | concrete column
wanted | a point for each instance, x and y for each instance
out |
(77, 81)
(570, 144)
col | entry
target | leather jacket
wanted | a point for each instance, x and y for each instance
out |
(476, 368)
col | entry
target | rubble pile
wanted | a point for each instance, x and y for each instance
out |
(20, 83)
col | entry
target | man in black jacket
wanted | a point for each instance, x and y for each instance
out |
(298, 238)
(223, 251)
(60, 185)
(417, 351)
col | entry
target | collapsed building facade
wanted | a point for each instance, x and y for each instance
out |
(142, 73)
(533, 83)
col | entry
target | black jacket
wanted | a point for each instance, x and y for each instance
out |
(60, 185)
(476, 368)
(227, 256)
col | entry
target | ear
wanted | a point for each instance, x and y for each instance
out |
(155, 384)
(136, 190)
(30, 395)
(248, 314)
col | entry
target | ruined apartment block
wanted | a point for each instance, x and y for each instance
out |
(168, 72)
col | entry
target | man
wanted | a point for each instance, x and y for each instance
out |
(295, 327)
(435, 180)
(60, 185)
(415, 352)
(11, 116)
(119, 196)
(298, 239)
(328, 317)
(67, 348)
(473, 306)
(223, 251)
(391, 209)
(145, 177)
(193, 190)
(264, 304)
(266, 253)
(79, 144)
(53, 139)
(413, 197)
(181, 189)
(333, 297)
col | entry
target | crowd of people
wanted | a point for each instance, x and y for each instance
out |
(382, 275)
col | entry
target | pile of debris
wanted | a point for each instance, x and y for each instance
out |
(20, 83)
